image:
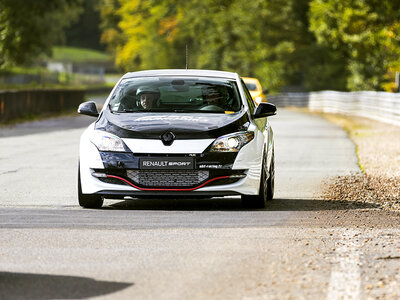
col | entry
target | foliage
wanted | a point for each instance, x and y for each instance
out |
(314, 44)
(308, 44)
(29, 28)
(85, 32)
(365, 33)
(148, 34)
(111, 33)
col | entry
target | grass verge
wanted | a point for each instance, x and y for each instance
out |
(75, 54)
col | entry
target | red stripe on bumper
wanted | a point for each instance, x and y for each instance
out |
(175, 190)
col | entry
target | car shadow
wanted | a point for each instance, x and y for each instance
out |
(235, 204)
(45, 286)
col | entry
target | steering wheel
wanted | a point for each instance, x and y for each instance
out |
(212, 107)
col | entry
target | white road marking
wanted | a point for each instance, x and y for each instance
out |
(345, 281)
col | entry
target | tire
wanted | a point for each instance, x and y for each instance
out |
(266, 191)
(88, 200)
(271, 179)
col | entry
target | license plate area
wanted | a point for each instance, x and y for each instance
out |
(166, 163)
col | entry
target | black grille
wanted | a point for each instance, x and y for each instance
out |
(170, 178)
(112, 180)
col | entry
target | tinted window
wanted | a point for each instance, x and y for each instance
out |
(251, 86)
(197, 94)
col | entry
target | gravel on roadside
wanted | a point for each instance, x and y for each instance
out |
(378, 151)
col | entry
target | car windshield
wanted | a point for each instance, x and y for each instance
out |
(176, 94)
(251, 86)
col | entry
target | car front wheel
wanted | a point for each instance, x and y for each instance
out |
(88, 200)
(266, 191)
(271, 179)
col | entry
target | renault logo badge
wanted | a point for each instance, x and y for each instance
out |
(168, 138)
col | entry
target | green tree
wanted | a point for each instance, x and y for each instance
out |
(29, 28)
(146, 35)
(364, 33)
(85, 32)
(266, 39)
(111, 34)
(315, 44)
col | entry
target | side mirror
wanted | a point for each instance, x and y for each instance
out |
(265, 91)
(264, 109)
(88, 108)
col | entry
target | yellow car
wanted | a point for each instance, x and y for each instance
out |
(255, 89)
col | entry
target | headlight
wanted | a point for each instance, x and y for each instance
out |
(105, 141)
(232, 142)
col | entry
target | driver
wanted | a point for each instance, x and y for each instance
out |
(213, 97)
(148, 97)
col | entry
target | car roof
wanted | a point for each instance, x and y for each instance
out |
(250, 79)
(182, 72)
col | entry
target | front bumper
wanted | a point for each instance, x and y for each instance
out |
(108, 173)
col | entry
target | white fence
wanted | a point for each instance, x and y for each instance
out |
(380, 106)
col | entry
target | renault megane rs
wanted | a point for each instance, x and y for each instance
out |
(177, 133)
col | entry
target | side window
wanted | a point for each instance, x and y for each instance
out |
(249, 99)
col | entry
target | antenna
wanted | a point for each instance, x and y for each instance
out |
(187, 57)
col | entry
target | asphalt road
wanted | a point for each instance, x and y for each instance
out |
(300, 247)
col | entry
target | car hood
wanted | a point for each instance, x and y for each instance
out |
(182, 125)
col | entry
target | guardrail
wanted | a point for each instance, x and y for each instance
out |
(19, 104)
(380, 106)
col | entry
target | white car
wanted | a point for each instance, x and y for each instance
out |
(177, 133)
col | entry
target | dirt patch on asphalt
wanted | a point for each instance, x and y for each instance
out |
(378, 151)
(384, 191)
